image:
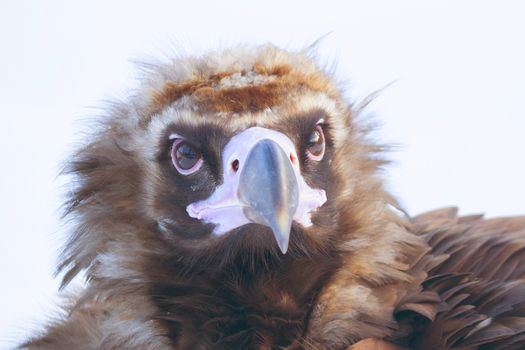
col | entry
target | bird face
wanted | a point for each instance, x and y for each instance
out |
(262, 183)
(244, 183)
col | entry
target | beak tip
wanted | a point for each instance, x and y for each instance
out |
(282, 236)
(283, 246)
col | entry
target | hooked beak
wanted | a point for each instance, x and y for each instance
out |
(269, 190)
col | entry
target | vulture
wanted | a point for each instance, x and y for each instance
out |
(235, 200)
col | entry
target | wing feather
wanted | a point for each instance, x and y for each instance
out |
(474, 295)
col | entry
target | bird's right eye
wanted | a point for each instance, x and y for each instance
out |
(185, 157)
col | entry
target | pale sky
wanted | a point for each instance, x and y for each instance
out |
(456, 109)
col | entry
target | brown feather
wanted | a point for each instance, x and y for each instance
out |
(481, 284)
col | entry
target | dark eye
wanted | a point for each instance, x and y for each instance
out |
(185, 157)
(316, 144)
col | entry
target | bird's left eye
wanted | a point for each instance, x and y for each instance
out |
(316, 144)
(185, 157)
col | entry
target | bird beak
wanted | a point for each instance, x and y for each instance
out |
(268, 188)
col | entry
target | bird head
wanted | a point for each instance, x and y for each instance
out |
(248, 151)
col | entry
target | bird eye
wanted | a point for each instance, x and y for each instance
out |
(185, 157)
(316, 144)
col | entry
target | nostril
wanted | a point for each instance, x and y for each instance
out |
(235, 165)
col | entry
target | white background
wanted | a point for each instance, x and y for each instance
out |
(456, 109)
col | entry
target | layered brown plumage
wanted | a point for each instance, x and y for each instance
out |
(474, 292)
(360, 274)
